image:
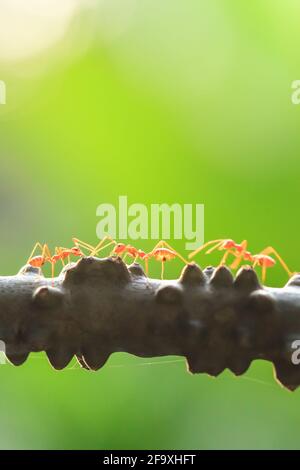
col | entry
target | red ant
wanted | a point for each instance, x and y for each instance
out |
(40, 260)
(60, 255)
(264, 261)
(261, 259)
(239, 250)
(222, 244)
(162, 252)
(122, 248)
(63, 253)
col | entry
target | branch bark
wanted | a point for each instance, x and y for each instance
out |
(99, 306)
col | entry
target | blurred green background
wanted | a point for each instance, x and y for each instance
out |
(173, 101)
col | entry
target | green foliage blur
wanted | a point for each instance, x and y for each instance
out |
(171, 101)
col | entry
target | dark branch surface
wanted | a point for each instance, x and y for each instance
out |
(100, 306)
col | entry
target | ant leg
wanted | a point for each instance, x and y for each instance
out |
(244, 245)
(100, 246)
(58, 251)
(162, 269)
(202, 247)
(52, 272)
(46, 253)
(240, 255)
(112, 253)
(61, 248)
(93, 250)
(83, 245)
(271, 251)
(47, 256)
(160, 244)
(218, 246)
(36, 246)
(263, 273)
(177, 254)
(224, 259)
(97, 249)
(164, 244)
(238, 260)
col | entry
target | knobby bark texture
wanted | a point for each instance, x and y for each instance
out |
(99, 306)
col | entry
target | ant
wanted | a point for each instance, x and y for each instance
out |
(222, 244)
(162, 252)
(264, 261)
(261, 259)
(60, 255)
(40, 260)
(122, 248)
(239, 250)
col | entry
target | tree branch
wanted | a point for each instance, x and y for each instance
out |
(100, 306)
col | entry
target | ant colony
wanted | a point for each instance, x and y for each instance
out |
(162, 252)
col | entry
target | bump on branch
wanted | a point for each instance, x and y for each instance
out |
(99, 306)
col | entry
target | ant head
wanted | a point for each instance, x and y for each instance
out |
(248, 256)
(229, 244)
(239, 248)
(119, 248)
(76, 251)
